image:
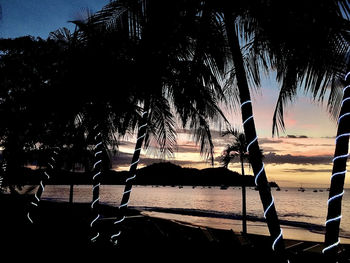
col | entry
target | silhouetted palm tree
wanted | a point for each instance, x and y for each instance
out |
(313, 64)
(237, 149)
(272, 31)
(250, 132)
(176, 76)
(338, 174)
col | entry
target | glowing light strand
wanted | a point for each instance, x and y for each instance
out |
(339, 195)
(4, 171)
(335, 196)
(96, 184)
(346, 76)
(279, 237)
(331, 246)
(41, 189)
(132, 165)
(276, 240)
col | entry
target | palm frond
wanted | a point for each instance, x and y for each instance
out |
(161, 135)
(287, 94)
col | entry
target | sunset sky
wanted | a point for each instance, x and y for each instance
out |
(289, 160)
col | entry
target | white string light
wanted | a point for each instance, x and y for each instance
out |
(331, 246)
(97, 170)
(41, 188)
(335, 196)
(276, 240)
(343, 156)
(346, 76)
(279, 237)
(4, 170)
(132, 177)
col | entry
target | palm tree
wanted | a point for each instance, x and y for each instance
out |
(250, 133)
(237, 148)
(259, 23)
(338, 174)
(314, 65)
(183, 77)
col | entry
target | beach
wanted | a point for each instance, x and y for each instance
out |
(62, 231)
(302, 214)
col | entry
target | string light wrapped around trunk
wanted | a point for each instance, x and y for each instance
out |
(96, 181)
(37, 196)
(339, 163)
(128, 182)
(257, 176)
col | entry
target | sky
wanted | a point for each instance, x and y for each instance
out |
(299, 157)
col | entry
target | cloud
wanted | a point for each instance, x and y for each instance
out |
(303, 170)
(296, 159)
(187, 148)
(273, 158)
(268, 140)
(123, 159)
(214, 133)
(296, 136)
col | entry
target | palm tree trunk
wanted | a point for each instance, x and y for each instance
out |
(338, 175)
(71, 192)
(96, 182)
(250, 133)
(34, 204)
(71, 188)
(244, 202)
(132, 172)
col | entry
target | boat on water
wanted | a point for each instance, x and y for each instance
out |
(223, 187)
(301, 189)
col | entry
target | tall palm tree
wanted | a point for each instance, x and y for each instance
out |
(314, 65)
(237, 149)
(183, 80)
(259, 25)
(338, 174)
(250, 133)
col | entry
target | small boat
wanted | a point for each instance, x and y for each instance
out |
(180, 186)
(315, 191)
(301, 189)
(223, 187)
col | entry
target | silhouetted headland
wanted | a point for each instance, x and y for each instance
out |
(164, 173)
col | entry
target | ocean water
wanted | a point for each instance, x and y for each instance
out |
(302, 214)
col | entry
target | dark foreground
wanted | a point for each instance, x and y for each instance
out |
(62, 232)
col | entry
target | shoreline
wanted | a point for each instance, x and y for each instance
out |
(292, 229)
(254, 227)
(62, 229)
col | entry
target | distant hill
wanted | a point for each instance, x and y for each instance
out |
(164, 173)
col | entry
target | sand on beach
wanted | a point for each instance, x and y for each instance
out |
(63, 231)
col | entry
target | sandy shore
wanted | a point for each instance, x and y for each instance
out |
(62, 232)
(290, 231)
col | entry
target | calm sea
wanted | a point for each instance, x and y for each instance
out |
(302, 214)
